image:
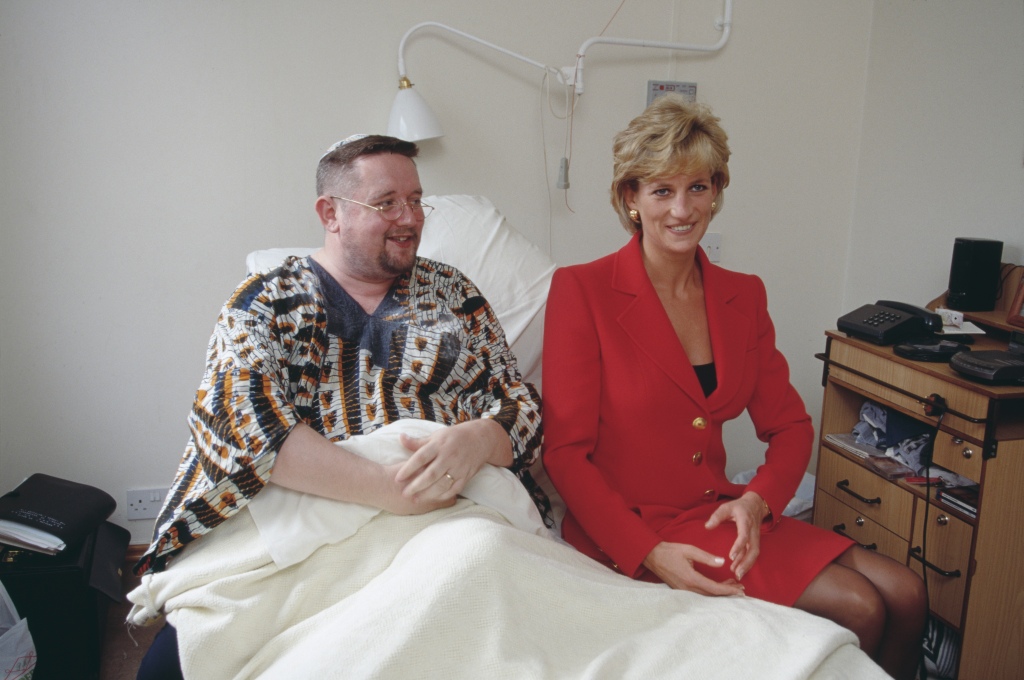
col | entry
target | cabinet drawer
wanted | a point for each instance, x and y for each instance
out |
(872, 496)
(948, 559)
(834, 515)
(960, 456)
(875, 375)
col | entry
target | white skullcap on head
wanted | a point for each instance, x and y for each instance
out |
(343, 142)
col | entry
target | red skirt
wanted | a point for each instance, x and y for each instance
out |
(792, 552)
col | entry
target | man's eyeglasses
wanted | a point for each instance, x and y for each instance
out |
(393, 210)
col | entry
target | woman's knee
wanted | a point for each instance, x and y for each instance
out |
(901, 589)
(848, 598)
(908, 598)
(864, 607)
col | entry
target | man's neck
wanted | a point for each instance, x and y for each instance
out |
(367, 294)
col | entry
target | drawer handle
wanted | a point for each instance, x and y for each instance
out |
(916, 554)
(968, 453)
(844, 485)
(841, 530)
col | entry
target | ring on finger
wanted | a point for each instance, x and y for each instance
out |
(450, 477)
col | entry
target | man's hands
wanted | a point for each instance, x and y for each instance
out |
(444, 462)
(309, 463)
(673, 562)
(396, 502)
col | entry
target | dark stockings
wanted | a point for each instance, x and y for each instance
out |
(880, 600)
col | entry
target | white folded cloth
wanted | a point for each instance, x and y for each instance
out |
(294, 524)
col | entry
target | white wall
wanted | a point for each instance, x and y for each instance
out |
(146, 147)
(942, 146)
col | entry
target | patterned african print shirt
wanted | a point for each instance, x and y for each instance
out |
(291, 346)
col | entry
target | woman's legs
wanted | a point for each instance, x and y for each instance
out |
(906, 608)
(880, 600)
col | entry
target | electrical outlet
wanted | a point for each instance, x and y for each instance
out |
(145, 503)
(657, 88)
(712, 245)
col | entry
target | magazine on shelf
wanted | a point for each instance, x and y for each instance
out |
(963, 498)
(973, 514)
(848, 442)
(46, 514)
(967, 510)
(890, 468)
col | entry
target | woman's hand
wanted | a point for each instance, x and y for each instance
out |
(673, 564)
(747, 511)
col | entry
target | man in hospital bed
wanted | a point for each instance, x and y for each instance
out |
(358, 335)
(402, 362)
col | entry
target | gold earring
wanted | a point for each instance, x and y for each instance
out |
(714, 205)
(635, 216)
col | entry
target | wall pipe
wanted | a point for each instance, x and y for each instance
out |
(573, 75)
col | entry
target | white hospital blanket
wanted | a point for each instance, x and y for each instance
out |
(460, 593)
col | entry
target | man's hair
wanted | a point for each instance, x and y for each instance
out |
(672, 136)
(334, 171)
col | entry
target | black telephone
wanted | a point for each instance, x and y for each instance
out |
(887, 322)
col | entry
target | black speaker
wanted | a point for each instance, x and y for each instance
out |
(974, 274)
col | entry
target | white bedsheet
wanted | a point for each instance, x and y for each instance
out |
(461, 593)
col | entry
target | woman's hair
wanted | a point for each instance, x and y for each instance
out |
(672, 136)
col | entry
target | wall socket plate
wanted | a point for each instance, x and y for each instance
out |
(657, 88)
(145, 503)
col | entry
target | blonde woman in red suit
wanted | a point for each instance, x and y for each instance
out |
(647, 353)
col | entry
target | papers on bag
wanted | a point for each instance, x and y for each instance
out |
(21, 536)
(48, 514)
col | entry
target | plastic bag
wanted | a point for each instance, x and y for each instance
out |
(17, 651)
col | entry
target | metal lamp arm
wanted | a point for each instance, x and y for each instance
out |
(574, 75)
(435, 24)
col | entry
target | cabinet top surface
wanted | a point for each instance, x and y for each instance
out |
(938, 370)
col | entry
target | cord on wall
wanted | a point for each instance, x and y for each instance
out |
(563, 174)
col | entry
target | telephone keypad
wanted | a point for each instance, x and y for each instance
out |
(882, 318)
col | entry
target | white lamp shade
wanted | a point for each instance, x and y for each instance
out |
(411, 118)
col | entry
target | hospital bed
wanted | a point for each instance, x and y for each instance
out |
(466, 592)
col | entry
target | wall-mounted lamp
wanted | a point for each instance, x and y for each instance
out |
(413, 120)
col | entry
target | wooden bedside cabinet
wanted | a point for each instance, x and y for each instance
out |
(974, 566)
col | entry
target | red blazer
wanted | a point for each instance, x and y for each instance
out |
(630, 441)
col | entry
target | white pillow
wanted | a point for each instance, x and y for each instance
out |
(514, 275)
(263, 261)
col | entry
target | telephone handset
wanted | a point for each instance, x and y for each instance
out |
(887, 322)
